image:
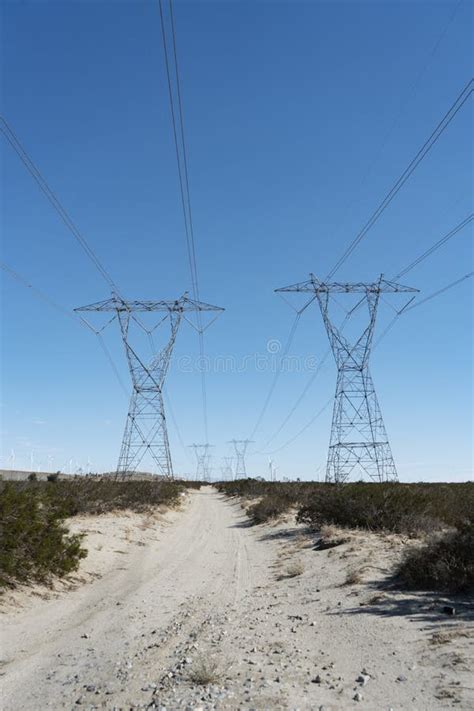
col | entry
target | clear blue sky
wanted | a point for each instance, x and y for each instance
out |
(299, 117)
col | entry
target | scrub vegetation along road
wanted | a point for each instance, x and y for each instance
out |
(196, 608)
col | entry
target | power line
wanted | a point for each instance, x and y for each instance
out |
(438, 292)
(184, 196)
(309, 383)
(191, 225)
(411, 94)
(112, 364)
(436, 246)
(278, 372)
(303, 429)
(300, 398)
(175, 424)
(183, 175)
(38, 293)
(69, 314)
(53, 199)
(424, 150)
(185, 157)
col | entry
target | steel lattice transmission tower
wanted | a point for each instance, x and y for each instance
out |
(203, 461)
(226, 468)
(359, 444)
(145, 428)
(240, 447)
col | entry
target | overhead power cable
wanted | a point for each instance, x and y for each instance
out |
(308, 385)
(402, 110)
(20, 150)
(278, 371)
(435, 246)
(438, 292)
(300, 398)
(175, 423)
(409, 306)
(423, 151)
(303, 429)
(190, 213)
(69, 314)
(276, 376)
(39, 294)
(177, 122)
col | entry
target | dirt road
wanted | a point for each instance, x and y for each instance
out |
(203, 596)
(92, 635)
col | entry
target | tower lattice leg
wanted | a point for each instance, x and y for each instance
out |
(359, 444)
(145, 433)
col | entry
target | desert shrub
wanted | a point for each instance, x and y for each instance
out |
(295, 569)
(84, 495)
(189, 484)
(248, 488)
(275, 498)
(34, 543)
(53, 477)
(205, 671)
(409, 508)
(270, 507)
(445, 563)
(32, 476)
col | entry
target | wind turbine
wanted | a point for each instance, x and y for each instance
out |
(272, 468)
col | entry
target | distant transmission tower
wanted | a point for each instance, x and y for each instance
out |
(359, 442)
(145, 429)
(203, 461)
(226, 468)
(240, 447)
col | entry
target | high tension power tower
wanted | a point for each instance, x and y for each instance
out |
(240, 448)
(359, 444)
(226, 468)
(203, 461)
(145, 428)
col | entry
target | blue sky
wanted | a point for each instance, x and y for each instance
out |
(299, 117)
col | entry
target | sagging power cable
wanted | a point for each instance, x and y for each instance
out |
(397, 186)
(177, 121)
(34, 171)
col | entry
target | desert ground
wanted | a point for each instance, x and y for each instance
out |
(196, 609)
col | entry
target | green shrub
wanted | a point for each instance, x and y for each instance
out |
(446, 563)
(34, 543)
(83, 495)
(408, 508)
(270, 507)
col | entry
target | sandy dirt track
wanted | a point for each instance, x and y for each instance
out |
(201, 589)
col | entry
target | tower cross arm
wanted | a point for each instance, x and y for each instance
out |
(192, 305)
(320, 287)
(183, 304)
